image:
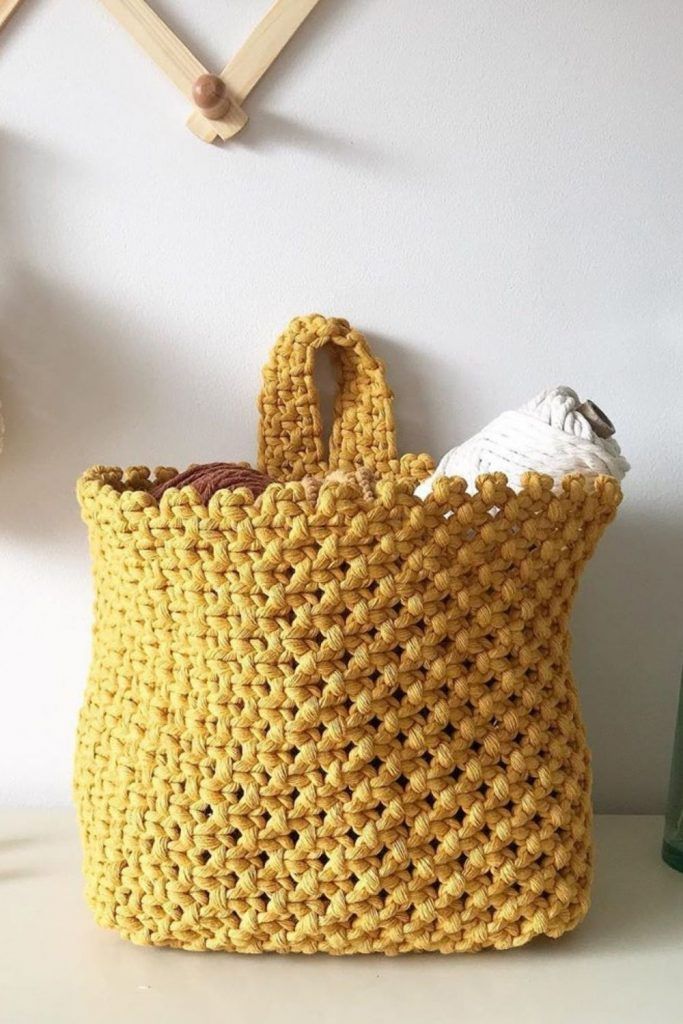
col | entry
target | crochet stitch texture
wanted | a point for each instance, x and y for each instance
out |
(347, 725)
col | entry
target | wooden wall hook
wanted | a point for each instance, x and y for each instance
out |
(217, 99)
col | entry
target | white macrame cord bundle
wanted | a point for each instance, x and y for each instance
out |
(555, 433)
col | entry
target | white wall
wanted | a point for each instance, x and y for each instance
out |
(492, 190)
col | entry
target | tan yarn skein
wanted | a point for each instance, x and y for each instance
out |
(362, 476)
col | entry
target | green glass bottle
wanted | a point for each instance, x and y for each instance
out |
(672, 850)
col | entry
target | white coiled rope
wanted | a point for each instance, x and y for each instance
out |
(555, 433)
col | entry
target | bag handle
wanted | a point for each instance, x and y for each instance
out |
(290, 436)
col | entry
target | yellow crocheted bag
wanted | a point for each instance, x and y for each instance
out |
(342, 726)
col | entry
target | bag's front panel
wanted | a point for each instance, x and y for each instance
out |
(347, 730)
(126, 696)
(235, 694)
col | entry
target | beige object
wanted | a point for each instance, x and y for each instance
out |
(217, 98)
(7, 9)
(362, 476)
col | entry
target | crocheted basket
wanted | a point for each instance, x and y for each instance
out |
(348, 726)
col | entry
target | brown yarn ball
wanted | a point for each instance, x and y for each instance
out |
(210, 477)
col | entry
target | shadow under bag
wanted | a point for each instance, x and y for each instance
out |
(345, 725)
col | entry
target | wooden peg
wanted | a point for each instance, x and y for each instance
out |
(210, 96)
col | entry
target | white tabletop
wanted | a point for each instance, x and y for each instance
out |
(624, 963)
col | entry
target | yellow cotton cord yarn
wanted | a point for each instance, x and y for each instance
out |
(342, 726)
(363, 431)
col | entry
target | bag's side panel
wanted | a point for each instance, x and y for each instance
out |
(119, 713)
(518, 772)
